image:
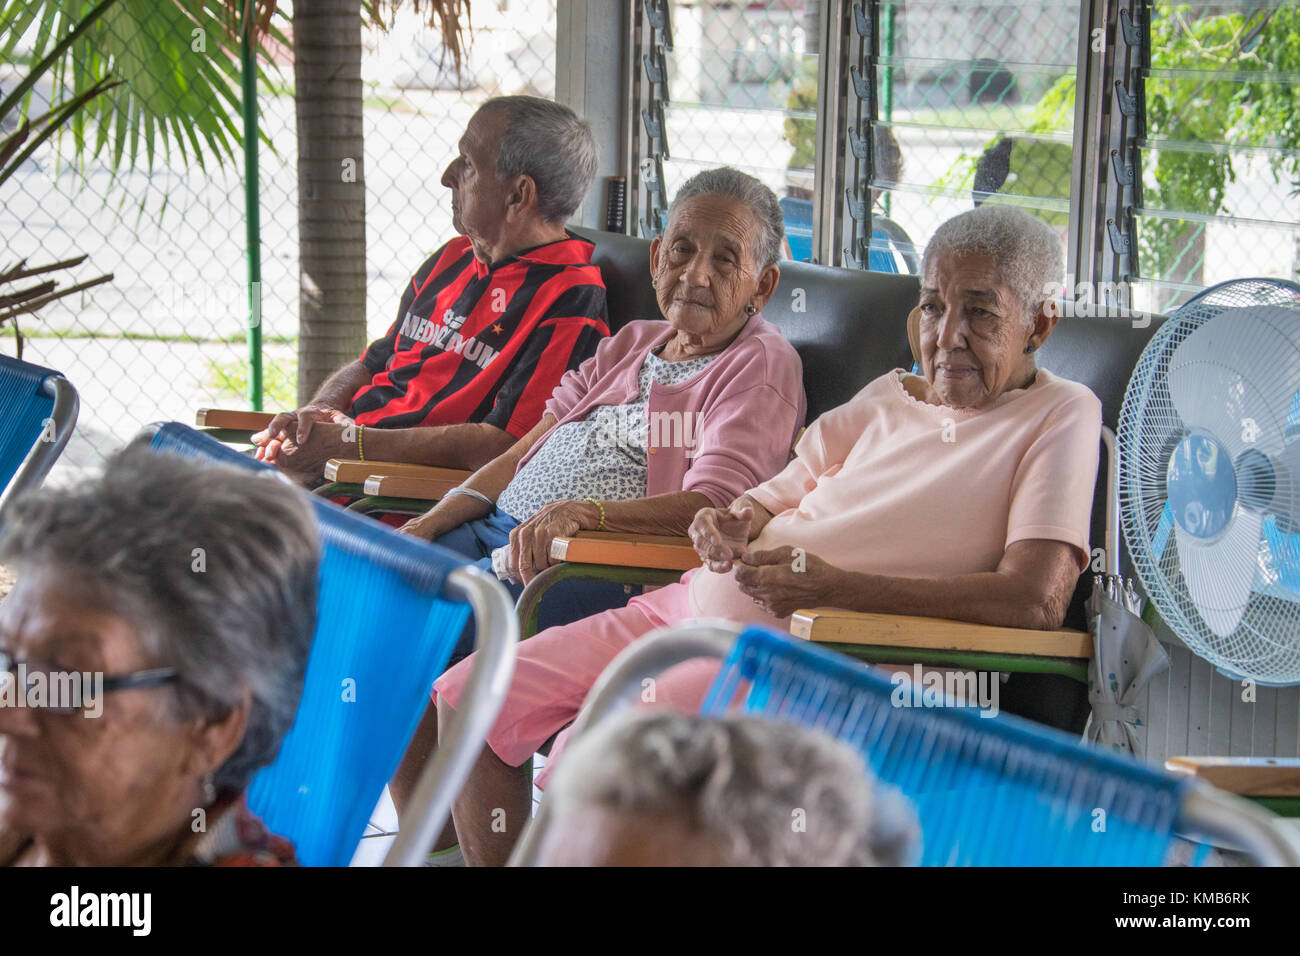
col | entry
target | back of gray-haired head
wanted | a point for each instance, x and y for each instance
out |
(1026, 250)
(768, 793)
(215, 566)
(751, 193)
(551, 144)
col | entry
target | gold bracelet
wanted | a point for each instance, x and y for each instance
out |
(600, 525)
(361, 452)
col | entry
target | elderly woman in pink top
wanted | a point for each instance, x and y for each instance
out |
(656, 425)
(964, 493)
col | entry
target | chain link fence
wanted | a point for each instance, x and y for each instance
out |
(1221, 152)
(738, 74)
(975, 103)
(167, 335)
(979, 100)
(976, 100)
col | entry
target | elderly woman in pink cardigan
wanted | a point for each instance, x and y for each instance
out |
(658, 424)
(964, 493)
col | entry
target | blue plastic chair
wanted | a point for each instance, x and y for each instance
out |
(797, 214)
(38, 411)
(390, 609)
(994, 791)
(887, 238)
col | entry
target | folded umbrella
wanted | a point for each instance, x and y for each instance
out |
(1126, 656)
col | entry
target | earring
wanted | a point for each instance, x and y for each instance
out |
(209, 791)
(1030, 349)
(750, 309)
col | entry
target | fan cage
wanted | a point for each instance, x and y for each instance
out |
(1265, 646)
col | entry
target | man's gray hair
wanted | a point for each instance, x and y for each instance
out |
(551, 144)
(1026, 250)
(745, 189)
(215, 566)
(745, 784)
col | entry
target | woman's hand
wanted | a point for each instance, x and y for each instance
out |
(425, 527)
(530, 543)
(721, 535)
(785, 579)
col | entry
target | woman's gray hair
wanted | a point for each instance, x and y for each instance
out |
(214, 565)
(551, 144)
(748, 191)
(768, 793)
(1026, 251)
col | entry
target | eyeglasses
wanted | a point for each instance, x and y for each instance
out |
(52, 681)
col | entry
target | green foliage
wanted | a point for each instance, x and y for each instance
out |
(1222, 112)
(179, 63)
(802, 133)
(30, 132)
(279, 380)
(1037, 169)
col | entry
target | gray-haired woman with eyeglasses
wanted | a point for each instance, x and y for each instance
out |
(151, 660)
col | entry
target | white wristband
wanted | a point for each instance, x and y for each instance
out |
(462, 490)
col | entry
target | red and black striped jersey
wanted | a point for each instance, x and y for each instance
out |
(480, 343)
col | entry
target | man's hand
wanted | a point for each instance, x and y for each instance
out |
(530, 543)
(720, 536)
(785, 579)
(295, 428)
(305, 460)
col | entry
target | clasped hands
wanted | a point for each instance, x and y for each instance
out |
(779, 580)
(301, 442)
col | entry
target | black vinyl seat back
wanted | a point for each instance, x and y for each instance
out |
(1099, 353)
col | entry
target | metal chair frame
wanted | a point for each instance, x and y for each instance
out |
(1204, 811)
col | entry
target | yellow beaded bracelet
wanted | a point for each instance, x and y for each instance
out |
(361, 452)
(600, 525)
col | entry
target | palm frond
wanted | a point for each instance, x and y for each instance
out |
(450, 17)
(179, 63)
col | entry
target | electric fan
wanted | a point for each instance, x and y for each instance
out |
(1209, 483)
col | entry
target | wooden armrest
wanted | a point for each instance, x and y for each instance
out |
(831, 626)
(664, 552)
(429, 488)
(232, 418)
(1246, 776)
(352, 470)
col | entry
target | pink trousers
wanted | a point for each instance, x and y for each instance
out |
(557, 668)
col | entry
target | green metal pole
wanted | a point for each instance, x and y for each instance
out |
(252, 220)
(887, 81)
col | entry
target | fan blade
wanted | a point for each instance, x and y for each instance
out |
(1280, 563)
(1220, 574)
(1287, 499)
(1236, 376)
(1163, 527)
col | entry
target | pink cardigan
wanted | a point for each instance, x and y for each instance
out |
(720, 432)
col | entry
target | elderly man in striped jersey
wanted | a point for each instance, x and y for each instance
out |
(487, 326)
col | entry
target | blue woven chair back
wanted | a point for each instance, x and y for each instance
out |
(384, 633)
(997, 791)
(24, 407)
(797, 214)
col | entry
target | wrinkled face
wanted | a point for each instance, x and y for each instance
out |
(973, 336)
(478, 197)
(595, 836)
(64, 775)
(706, 269)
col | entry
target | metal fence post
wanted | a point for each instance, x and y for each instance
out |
(252, 221)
